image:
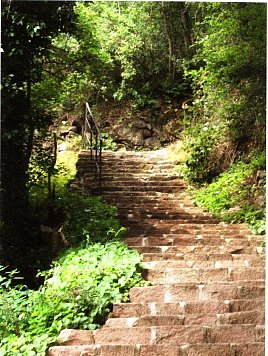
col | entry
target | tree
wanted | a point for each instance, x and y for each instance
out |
(228, 74)
(27, 31)
(130, 50)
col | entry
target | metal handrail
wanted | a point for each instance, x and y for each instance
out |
(93, 139)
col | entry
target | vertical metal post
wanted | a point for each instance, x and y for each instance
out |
(91, 140)
(100, 165)
(93, 137)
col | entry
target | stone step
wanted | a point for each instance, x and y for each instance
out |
(128, 167)
(133, 164)
(198, 250)
(158, 208)
(188, 263)
(141, 199)
(161, 177)
(127, 155)
(151, 197)
(205, 319)
(202, 275)
(202, 349)
(137, 178)
(158, 215)
(242, 349)
(223, 349)
(130, 189)
(180, 292)
(176, 225)
(204, 230)
(210, 307)
(119, 171)
(254, 317)
(189, 240)
(231, 333)
(140, 196)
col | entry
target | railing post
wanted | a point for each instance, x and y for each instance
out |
(100, 166)
(93, 136)
(91, 140)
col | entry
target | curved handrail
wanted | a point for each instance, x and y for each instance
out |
(93, 139)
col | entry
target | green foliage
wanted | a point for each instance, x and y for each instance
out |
(237, 195)
(228, 71)
(78, 292)
(13, 302)
(26, 41)
(108, 143)
(120, 50)
(42, 161)
(89, 219)
(199, 142)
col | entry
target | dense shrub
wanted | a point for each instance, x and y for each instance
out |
(89, 219)
(238, 195)
(199, 142)
(77, 293)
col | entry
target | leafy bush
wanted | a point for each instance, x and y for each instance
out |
(198, 143)
(81, 286)
(89, 219)
(108, 143)
(227, 71)
(78, 292)
(237, 195)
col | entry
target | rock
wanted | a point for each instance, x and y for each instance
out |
(127, 135)
(152, 142)
(75, 337)
(53, 238)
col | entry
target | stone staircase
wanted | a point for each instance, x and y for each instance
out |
(208, 278)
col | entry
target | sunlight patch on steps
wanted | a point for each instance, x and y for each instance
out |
(153, 310)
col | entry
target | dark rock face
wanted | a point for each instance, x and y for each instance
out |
(150, 127)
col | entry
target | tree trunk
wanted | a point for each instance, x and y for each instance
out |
(170, 40)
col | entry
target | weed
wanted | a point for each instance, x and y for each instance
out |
(237, 195)
(78, 292)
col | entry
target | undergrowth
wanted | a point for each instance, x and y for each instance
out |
(238, 194)
(83, 282)
(78, 292)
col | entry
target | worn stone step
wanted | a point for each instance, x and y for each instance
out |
(210, 307)
(223, 349)
(203, 275)
(160, 177)
(125, 170)
(209, 319)
(179, 292)
(151, 197)
(202, 349)
(246, 260)
(198, 250)
(130, 189)
(205, 263)
(212, 227)
(159, 215)
(115, 350)
(137, 178)
(146, 321)
(256, 317)
(165, 209)
(186, 240)
(140, 196)
(231, 333)
(168, 226)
